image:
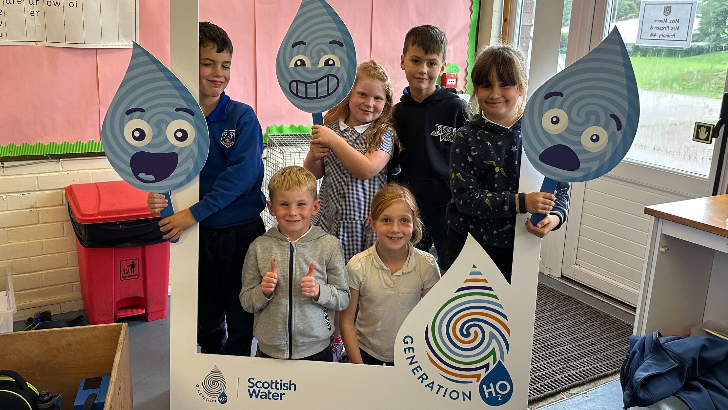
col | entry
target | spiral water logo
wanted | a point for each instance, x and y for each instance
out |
(467, 340)
(212, 388)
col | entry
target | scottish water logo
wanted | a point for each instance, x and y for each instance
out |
(269, 389)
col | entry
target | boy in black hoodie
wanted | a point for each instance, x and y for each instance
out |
(426, 119)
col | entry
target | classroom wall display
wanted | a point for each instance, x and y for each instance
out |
(38, 121)
(580, 123)
(69, 23)
(154, 133)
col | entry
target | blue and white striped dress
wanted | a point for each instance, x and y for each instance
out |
(346, 201)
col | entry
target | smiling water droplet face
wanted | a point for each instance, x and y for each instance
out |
(316, 62)
(154, 132)
(580, 123)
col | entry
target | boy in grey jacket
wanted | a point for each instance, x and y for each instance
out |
(294, 274)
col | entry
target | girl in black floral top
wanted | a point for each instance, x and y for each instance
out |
(485, 164)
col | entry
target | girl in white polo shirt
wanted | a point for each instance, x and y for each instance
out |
(387, 280)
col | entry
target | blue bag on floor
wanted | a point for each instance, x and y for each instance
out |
(695, 369)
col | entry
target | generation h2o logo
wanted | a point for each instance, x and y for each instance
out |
(467, 342)
(212, 389)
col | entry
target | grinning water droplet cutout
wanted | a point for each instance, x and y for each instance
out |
(316, 62)
(154, 132)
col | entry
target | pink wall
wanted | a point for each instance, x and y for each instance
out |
(61, 94)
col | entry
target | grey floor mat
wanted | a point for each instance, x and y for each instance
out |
(573, 344)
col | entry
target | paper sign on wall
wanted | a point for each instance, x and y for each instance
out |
(666, 23)
(69, 23)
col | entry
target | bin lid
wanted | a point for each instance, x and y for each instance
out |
(107, 202)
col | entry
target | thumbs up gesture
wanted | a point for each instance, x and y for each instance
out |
(270, 279)
(309, 287)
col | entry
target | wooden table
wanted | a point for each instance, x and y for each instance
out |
(685, 275)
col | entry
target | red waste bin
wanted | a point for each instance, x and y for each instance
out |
(122, 259)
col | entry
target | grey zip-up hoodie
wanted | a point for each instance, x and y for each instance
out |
(289, 325)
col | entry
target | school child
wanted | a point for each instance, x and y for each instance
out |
(230, 202)
(426, 119)
(485, 165)
(294, 274)
(387, 280)
(351, 152)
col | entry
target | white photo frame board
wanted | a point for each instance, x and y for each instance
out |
(197, 380)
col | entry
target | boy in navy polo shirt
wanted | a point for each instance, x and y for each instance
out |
(230, 203)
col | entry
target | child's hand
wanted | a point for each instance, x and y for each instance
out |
(270, 279)
(309, 287)
(156, 202)
(175, 225)
(539, 202)
(324, 136)
(544, 226)
(319, 151)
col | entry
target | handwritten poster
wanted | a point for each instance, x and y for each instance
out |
(69, 23)
(666, 23)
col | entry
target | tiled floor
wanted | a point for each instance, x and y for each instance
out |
(150, 365)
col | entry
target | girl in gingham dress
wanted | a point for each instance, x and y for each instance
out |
(350, 153)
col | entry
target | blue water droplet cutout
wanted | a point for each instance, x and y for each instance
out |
(316, 62)
(150, 107)
(222, 398)
(597, 105)
(496, 388)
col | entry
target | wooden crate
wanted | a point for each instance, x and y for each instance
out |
(56, 360)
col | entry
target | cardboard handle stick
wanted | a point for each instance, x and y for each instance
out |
(549, 185)
(169, 210)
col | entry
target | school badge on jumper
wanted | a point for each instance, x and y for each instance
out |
(228, 138)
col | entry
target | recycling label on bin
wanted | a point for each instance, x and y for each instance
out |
(129, 269)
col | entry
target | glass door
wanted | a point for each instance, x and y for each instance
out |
(605, 239)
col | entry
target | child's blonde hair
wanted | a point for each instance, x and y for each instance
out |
(292, 178)
(391, 194)
(509, 65)
(370, 70)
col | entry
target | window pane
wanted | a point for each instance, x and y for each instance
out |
(678, 86)
(524, 38)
